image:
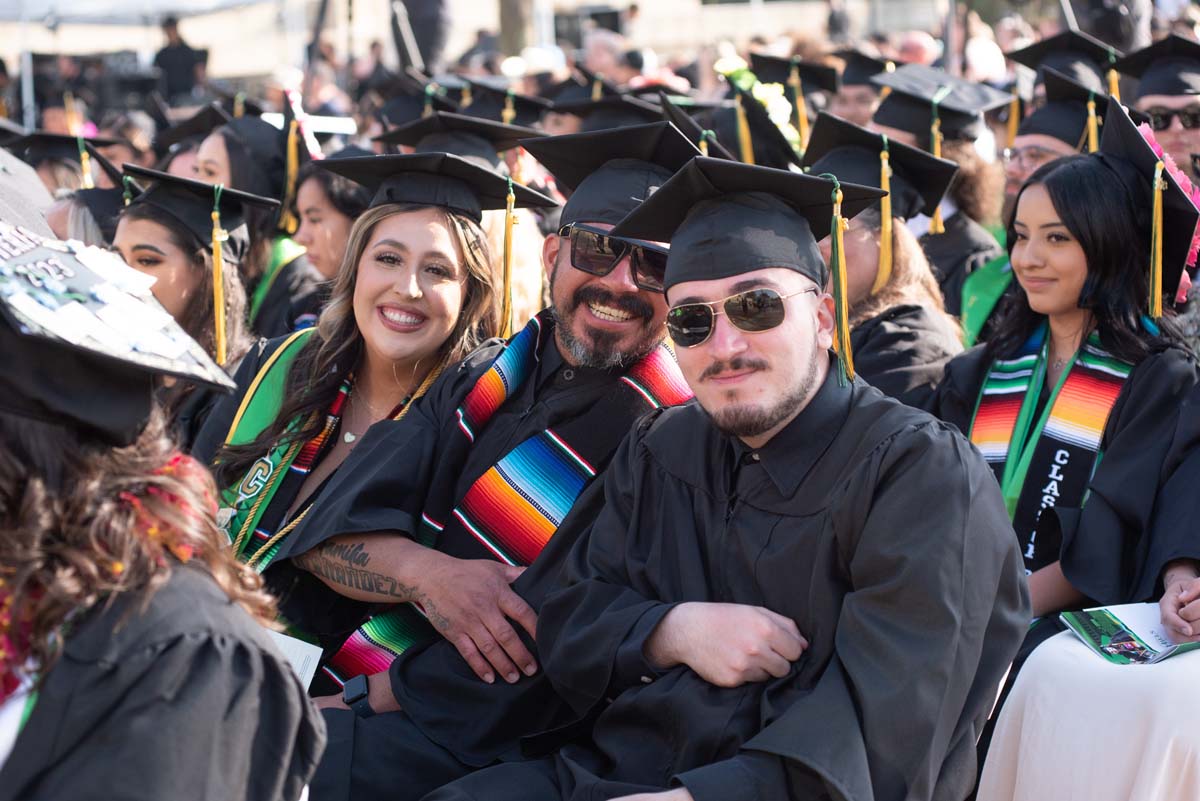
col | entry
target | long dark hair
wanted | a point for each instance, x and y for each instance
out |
(1105, 204)
(246, 176)
(347, 197)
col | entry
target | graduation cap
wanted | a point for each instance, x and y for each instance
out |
(914, 180)
(277, 156)
(105, 204)
(502, 105)
(85, 341)
(924, 96)
(581, 86)
(1174, 215)
(39, 146)
(1075, 54)
(611, 111)
(471, 138)
(609, 172)
(1170, 66)
(447, 85)
(800, 77)
(1071, 114)
(214, 215)
(704, 138)
(406, 99)
(199, 125)
(748, 130)
(860, 68)
(725, 218)
(10, 131)
(23, 196)
(238, 104)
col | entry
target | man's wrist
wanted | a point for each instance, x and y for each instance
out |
(379, 693)
(662, 650)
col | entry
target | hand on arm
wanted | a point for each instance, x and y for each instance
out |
(1180, 604)
(726, 644)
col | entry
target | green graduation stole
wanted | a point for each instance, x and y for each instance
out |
(981, 293)
(1048, 461)
(284, 251)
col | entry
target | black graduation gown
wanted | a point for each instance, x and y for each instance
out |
(903, 351)
(193, 412)
(912, 615)
(293, 301)
(961, 250)
(185, 699)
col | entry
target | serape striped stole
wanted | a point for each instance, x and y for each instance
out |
(514, 508)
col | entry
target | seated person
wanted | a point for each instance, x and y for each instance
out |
(766, 606)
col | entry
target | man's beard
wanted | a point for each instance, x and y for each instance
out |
(601, 349)
(743, 420)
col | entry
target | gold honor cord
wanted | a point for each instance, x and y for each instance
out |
(219, 235)
(936, 226)
(799, 107)
(1156, 243)
(287, 220)
(884, 273)
(1014, 119)
(1093, 125)
(510, 219)
(745, 143)
(85, 165)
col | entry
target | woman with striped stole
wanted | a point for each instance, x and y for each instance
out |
(416, 292)
(1074, 400)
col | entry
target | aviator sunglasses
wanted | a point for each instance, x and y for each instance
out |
(1160, 118)
(752, 311)
(596, 253)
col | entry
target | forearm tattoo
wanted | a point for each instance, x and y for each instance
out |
(346, 564)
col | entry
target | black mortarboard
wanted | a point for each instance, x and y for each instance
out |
(85, 341)
(407, 99)
(1170, 66)
(503, 105)
(770, 146)
(609, 172)
(860, 68)
(611, 111)
(447, 85)
(350, 152)
(471, 138)
(10, 131)
(771, 69)
(39, 146)
(1122, 142)
(200, 124)
(1065, 115)
(435, 179)
(105, 204)
(582, 85)
(237, 104)
(704, 139)
(960, 104)
(852, 153)
(273, 170)
(1077, 55)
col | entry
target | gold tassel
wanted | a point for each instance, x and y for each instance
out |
(745, 143)
(884, 273)
(510, 219)
(85, 164)
(1156, 243)
(465, 99)
(74, 124)
(841, 303)
(239, 105)
(799, 107)
(287, 220)
(936, 226)
(509, 113)
(1114, 84)
(703, 144)
(884, 91)
(219, 235)
(1093, 126)
(1014, 118)
(597, 88)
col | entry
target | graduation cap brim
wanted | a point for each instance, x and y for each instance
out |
(964, 97)
(490, 102)
(1170, 66)
(38, 146)
(860, 68)
(927, 176)
(764, 133)
(1063, 47)
(435, 179)
(10, 131)
(502, 137)
(691, 129)
(200, 124)
(573, 157)
(634, 105)
(251, 107)
(191, 202)
(107, 167)
(772, 69)
(1064, 115)
(590, 79)
(1122, 139)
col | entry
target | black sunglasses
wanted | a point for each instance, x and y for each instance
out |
(755, 310)
(1160, 118)
(595, 252)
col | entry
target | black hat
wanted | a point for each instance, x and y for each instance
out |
(705, 139)
(10, 131)
(39, 146)
(609, 172)
(350, 152)
(268, 148)
(105, 204)
(502, 105)
(199, 125)
(920, 92)
(852, 153)
(435, 179)
(407, 99)
(85, 341)
(580, 87)
(769, 145)
(1170, 66)
(611, 111)
(1065, 114)
(1123, 143)
(860, 67)
(238, 104)
(1077, 55)
(813, 76)
(471, 138)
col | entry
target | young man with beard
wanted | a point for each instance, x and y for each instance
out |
(769, 605)
(436, 514)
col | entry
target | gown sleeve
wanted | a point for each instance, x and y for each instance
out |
(1173, 534)
(903, 353)
(212, 434)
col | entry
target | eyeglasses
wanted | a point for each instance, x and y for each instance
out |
(1160, 118)
(1030, 156)
(753, 311)
(595, 252)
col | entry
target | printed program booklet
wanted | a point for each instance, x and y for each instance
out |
(1129, 634)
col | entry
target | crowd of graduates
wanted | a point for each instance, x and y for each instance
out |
(736, 429)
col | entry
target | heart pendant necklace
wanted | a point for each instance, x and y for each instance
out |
(348, 437)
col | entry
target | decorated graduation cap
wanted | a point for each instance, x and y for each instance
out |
(1154, 181)
(472, 138)
(611, 111)
(105, 204)
(407, 99)
(704, 138)
(199, 125)
(725, 218)
(1170, 66)
(748, 130)
(84, 340)
(1082, 58)
(1071, 114)
(214, 215)
(609, 172)
(799, 77)
(502, 105)
(860, 68)
(914, 180)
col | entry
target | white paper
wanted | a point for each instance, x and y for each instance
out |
(302, 656)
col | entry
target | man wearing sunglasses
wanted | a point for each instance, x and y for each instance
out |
(796, 588)
(482, 470)
(1169, 92)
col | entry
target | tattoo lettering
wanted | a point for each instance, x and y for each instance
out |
(364, 580)
(351, 554)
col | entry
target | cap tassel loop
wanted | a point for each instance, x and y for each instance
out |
(428, 109)
(1156, 243)
(1014, 119)
(837, 263)
(745, 143)
(884, 273)
(85, 165)
(510, 220)
(706, 136)
(287, 219)
(1114, 78)
(799, 106)
(936, 226)
(1093, 125)
(509, 113)
(219, 236)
